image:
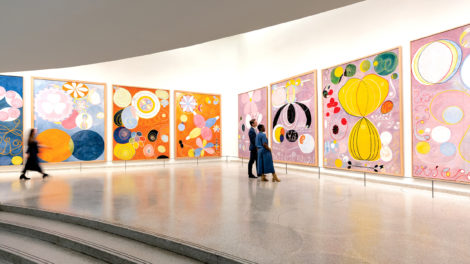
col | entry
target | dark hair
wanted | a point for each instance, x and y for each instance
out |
(31, 135)
(252, 121)
(260, 126)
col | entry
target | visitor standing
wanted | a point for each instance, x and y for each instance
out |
(253, 149)
(265, 159)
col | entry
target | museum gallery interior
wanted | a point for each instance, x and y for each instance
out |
(143, 114)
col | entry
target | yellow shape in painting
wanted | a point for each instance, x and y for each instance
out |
(364, 141)
(338, 163)
(124, 151)
(423, 147)
(184, 118)
(421, 131)
(161, 149)
(339, 71)
(191, 153)
(162, 94)
(17, 160)
(365, 65)
(122, 97)
(194, 133)
(362, 97)
(136, 145)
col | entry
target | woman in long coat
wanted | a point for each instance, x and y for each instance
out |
(265, 158)
(32, 164)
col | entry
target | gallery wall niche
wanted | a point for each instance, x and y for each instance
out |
(11, 120)
(441, 105)
(251, 105)
(294, 120)
(70, 119)
(141, 123)
(362, 128)
(197, 125)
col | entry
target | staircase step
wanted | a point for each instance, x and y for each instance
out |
(101, 245)
(16, 248)
(180, 247)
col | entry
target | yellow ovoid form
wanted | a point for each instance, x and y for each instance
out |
(361, 97)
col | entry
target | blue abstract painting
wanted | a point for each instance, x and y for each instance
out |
(11, 120)
(70, 120)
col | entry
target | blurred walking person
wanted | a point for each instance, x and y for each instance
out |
(32, 163)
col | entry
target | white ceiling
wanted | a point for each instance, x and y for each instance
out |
(42, 34)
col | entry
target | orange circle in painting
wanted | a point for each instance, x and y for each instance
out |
(386, 107)
(55, 195)
(58, 145)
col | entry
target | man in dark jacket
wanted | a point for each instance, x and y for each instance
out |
(253, 149)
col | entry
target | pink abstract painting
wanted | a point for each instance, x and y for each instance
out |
(251, 105)
(441, 105)
(294, 120)
(362, 128)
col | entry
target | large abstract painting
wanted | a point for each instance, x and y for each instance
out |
(141, 126)
(11, 120)
(70, 119)
(197, 125)
(362, 129)
(294, 120)
(251, 105)
(441, 105)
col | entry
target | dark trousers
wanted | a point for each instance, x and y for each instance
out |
(253, 159)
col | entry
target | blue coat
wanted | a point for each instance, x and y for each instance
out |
(265, 158)
(252, 135)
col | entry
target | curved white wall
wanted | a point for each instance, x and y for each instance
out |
(240, 63)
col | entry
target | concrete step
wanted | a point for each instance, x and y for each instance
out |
(16, 248)
(98, 244)
(160, 241)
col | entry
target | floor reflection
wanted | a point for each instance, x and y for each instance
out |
(300, 220)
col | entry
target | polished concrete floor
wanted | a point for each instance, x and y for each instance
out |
(300, 220)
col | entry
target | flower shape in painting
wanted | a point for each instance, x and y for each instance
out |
(204, 146)
(53, 105)
(188, 103)
(76, 90)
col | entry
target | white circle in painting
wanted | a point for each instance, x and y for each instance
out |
(436, 62)
(386, 138)
(94, 97)
(386, 154)
(465, 72)
(84, 121)
(306, 143)
(440, 134)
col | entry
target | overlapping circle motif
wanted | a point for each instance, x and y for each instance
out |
(149, 151)
(122, 135)
(129, 117)
(436, 62)
(146, 104)
(152, 135)
(118, 118)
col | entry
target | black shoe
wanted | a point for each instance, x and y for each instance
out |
(252, 176)
(45, 175)
(23, 177)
